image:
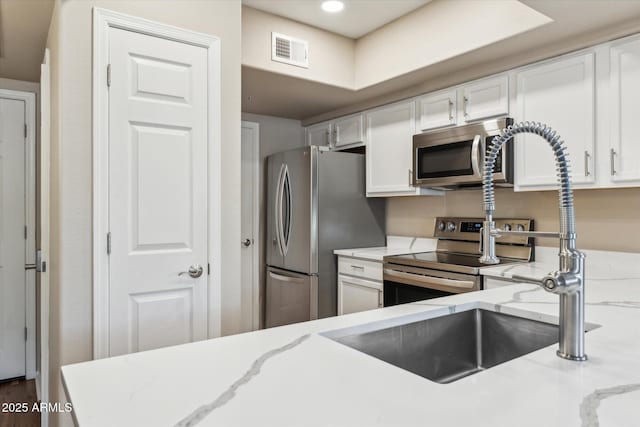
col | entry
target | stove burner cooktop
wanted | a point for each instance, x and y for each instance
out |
(446, 261)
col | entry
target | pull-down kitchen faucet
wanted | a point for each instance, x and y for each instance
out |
(568, 281)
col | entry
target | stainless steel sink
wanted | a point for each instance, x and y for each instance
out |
(447, 348)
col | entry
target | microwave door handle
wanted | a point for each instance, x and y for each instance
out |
(477, 156)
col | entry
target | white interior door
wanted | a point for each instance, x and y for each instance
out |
(12, 239)
(157, 192)
(250, 225)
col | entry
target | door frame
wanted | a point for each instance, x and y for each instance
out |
(255, 287)
(103, 20)
(42, 381)
(29, 99)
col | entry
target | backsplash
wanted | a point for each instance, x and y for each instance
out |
(607, 219)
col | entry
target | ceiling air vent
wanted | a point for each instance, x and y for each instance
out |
(289, 50)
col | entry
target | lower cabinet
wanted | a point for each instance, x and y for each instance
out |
(356, 294)
(359, 284)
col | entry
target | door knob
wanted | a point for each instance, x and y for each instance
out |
(195, 271)
(246, 242)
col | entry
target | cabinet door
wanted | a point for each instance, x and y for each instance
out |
(319, 134)
(389, 144)
(356, 295)
(437, 109)
(559, 94)
(348, 131)
(624, 153)
(485, 98)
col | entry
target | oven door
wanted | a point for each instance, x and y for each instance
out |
(403, 284)
(448, 162)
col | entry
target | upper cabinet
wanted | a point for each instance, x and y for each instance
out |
(485, 99)
(561, 94)
(437, 109)
(478, 100)
(624, 148)
(339, 134)
(319, 134)
(348, 131)
(390, 132)
(389, 141)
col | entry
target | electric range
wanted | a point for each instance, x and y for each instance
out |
(454, 267)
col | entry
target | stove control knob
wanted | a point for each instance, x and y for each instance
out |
(441, 225)
(520, 227)
(507, 227)
(451, 226)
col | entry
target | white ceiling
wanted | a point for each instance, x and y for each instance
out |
(358, 17)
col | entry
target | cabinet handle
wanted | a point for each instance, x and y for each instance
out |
(450, 110)
(410, 178)
(357, 267)
(328, 138)
(380, 299)
(464, 105)
(613, 161)
(586, 163)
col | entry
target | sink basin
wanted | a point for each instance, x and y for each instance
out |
(446, 348)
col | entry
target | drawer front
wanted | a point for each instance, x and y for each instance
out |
(360, 268)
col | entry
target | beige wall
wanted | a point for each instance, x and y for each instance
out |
(71, 242)
(436, 32)
(331, 56)
(605, 219)
(276, 134)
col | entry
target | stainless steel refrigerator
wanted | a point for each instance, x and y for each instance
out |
(316, 203)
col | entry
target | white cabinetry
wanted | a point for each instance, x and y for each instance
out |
(319, 134)
(478, 100)
(437, 109)
(348, 131)
(559, 93)
(624, 149)
(390, 132)
(389, 141)
(359, 285)
(358, 295)
(485, 98)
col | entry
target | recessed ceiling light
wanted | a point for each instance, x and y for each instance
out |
(332, 6)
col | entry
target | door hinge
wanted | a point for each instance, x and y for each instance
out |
(25, 333)
(109, 75)
(25, 131)
(109, 243)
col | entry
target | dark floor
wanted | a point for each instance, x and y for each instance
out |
(18, 391)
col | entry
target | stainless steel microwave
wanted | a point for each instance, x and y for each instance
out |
(454, 157)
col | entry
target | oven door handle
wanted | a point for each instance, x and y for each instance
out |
(477, 157)
(425, 281)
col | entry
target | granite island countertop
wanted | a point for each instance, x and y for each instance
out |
(295, 376)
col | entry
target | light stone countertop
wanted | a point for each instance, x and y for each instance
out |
(294, 376)
(396, 245)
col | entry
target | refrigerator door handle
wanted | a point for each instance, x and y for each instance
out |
(278, 209)
(286, 189)
(283, 278)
